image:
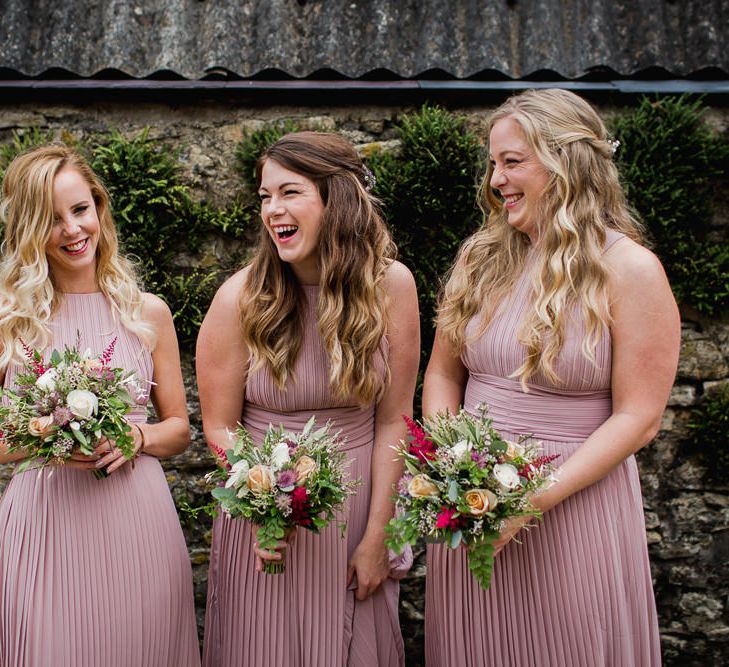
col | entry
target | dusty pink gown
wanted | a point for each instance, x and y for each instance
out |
(94, 572)
(577, 592)
(308, 615)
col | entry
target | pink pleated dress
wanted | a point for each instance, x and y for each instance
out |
(307, 616)
(94, 572)
(577, 591)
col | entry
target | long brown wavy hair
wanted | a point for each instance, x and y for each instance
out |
(355, 249)
(582, 199)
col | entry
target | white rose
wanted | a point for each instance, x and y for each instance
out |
(47, 381)
(513, 449)
(238, 474)
(461, 449)
(507, 475)
(82, 403)
(280, 455)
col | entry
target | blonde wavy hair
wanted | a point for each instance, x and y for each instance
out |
(28, 296)
(582, 199)
(355, 250)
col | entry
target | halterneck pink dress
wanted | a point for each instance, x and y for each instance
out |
(308, 615)
(94, 572)
(577, 591)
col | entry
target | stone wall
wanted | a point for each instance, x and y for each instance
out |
(687, 517)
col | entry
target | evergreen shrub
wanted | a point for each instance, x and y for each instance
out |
(428, 190)
(671, 161)
(709, 425)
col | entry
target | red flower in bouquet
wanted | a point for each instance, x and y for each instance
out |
(447, 520)
(420, 445)
(533, 469)
(300, 507)
(220, 455)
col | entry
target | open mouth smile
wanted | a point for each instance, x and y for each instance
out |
(76, 248)
(285, 232)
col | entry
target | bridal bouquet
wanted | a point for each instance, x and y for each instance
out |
(292, 479)
(68, 404)
(462, 481)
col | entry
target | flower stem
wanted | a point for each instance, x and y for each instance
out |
(274, 567)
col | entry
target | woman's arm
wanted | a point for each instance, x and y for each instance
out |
(445, 379)
(370, 560)
(172, 434)
(646, 337)
(222, 363)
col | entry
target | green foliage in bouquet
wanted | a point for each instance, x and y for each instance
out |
(710, 428)
(671, 161)
(462, 481)
(292, 479)
(70, 403)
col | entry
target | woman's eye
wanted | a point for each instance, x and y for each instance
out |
(80, 209)
(264, 197)
(291, 192)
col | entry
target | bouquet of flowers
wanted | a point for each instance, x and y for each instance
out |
(462, 481)
(67, 405)
(292, 479)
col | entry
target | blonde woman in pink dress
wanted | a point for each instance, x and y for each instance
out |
(323, 321)
(92, 571)
(564, 325)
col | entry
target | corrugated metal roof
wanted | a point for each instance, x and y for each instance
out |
(355, 38)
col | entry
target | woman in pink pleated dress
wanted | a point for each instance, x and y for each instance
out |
(92, 571)
(557, 319)
(323, 321)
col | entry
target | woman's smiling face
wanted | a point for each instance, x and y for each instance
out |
(518, 175)
(71, 248)
(292, 211)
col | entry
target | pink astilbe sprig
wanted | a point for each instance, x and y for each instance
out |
(529, 470)
(420, 445)
(220, 455)
(108, 352)
(35, 363)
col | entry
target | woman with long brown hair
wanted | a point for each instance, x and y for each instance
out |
(564, 325)
(323, 321)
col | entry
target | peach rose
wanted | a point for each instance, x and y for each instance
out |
(41, 426)
(304, 467)
(91, 364)
(480, 501)
(260, 478)
(421, 486)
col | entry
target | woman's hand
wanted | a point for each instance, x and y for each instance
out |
(111, 456)
(370, 562)
(511, 528)
(278, 553)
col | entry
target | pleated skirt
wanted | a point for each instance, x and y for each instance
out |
(575, 593)
(307, 616)
(94, 573)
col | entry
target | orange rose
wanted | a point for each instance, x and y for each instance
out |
(260, 479)
(480, 501)
(41, 427)
(304, 467)
(421, 486)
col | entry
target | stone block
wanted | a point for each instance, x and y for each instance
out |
(682, 395)
(700, 358)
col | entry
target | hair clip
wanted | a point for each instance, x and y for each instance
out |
(369, 178)
(614, 145)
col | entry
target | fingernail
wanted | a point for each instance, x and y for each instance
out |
(99, 464)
